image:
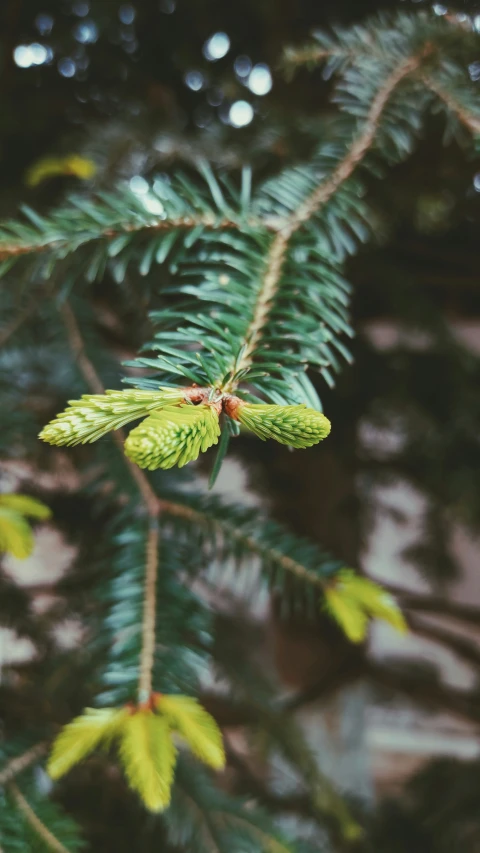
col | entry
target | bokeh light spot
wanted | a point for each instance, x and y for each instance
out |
(26, 55)
(242, 66)
(260, 79)
(240, 114)
(81, 8)
(44, 23)
(67, 67)
(126, 14)
(216, 47)
(194, 80)
(86, 32)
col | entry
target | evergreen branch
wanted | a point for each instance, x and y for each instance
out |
(70, 242)
(233, 524)
(230, 531)
(361, 144)
(22, 762)
(273, 269)
(34, 821)
(278, 250)
(463, 114)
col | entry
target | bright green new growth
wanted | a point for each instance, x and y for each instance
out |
(351, 600)
(173, 436)
(80, 737)
(297, 426)
(195, 725)
(16, 535)
(145, 745)
(94, 415)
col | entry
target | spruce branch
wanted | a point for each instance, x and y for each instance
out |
(34, 821)
(360, 145)
(233, 532)
(311, 205)
(468, 118)
(34, 242)
(195, 516)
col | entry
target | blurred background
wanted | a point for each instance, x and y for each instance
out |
(96, 92)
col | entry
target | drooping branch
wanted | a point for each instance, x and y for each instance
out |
(230, 530)
(34, 821)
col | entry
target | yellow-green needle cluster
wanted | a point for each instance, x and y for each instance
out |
(297, 426)
(94, 415)
(173, 436)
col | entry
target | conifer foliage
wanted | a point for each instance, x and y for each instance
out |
(255, 303)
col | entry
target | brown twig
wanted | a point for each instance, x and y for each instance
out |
(425, 692)
(462, 647)
(21, 762)
(42, 831)
(435, 605)
(18, 321)
(151, 503)
(305, 55)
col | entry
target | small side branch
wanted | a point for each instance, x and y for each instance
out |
(41, 830)
(22, 762)
(294, 568)
(468, 119)
(17, 322)
(77, 346)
